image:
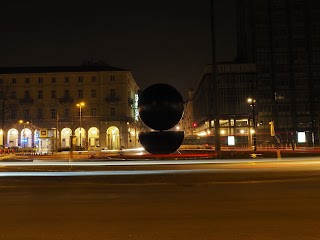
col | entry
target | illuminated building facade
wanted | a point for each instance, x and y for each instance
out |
(45, 100)
(236, 83)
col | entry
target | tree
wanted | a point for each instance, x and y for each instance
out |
(4, 106)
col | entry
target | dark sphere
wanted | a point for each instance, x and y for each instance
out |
(160, 106)
(161, 142)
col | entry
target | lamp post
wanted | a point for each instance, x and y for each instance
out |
(252, 103)
(80, 105)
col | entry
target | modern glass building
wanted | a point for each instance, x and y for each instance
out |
(283, 39)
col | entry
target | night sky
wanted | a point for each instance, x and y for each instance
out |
(159, 41)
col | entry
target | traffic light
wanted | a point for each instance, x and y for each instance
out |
(194, 125)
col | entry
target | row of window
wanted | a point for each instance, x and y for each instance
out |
(54, 80)
(235, 80)
(53, 113)
(300, 108)
(66, 94)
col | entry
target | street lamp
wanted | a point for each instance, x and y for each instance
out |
(80, 105)
(252, 103)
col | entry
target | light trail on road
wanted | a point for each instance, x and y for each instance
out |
(108, 173)
(309, 160)
(210, 166)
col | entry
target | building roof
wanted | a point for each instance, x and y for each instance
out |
(50, 69)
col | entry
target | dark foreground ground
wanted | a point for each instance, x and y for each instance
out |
(262, 201)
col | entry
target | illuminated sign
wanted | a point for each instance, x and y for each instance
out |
(272, 132)
(231, 141)
(36, 137)
(301, 137)
(43, 133)
(136, 113)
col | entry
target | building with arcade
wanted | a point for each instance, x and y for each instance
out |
(47, 107)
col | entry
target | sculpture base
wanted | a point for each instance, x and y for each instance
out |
(161, 142)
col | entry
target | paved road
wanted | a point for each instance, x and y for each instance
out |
(246, 200)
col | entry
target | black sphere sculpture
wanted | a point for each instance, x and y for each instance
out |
(160, 108)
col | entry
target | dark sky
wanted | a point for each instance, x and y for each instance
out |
(159, 41)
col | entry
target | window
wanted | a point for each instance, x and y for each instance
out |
(112, 93)
(26, 95)
(53, 94)
(39, 94)
(93, 79)
(14, 80)
(1, 81)
(66, 93)
(28, 80)
(112, 78)
(113, 112)
(66, 79)
(80, 79)
(80, 94)
(14, 95)
(13, 113)
(26, 113)
(66, 113)
(93, 112)
(53, 113)
(40, 80)
(93, 93)
(53, 80)
(39, 112)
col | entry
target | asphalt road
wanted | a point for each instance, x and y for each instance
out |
(244, 200)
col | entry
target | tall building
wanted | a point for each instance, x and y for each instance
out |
(40, 107)
(236, 83)
(283, 38)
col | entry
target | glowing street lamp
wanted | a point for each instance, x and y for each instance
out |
(80, 105)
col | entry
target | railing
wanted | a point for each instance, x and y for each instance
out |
(26, 101)
(112, 99)
(66, 100)
(118, 118)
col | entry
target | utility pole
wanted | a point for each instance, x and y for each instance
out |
(215, 84)
(80, 105)
(57, 125)
(252, 102)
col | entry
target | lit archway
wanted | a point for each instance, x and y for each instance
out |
(113, 138)
(65, 137)
(26, 138)
(1, 137)
(93, 134)
(83, 137)
(12, 138)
